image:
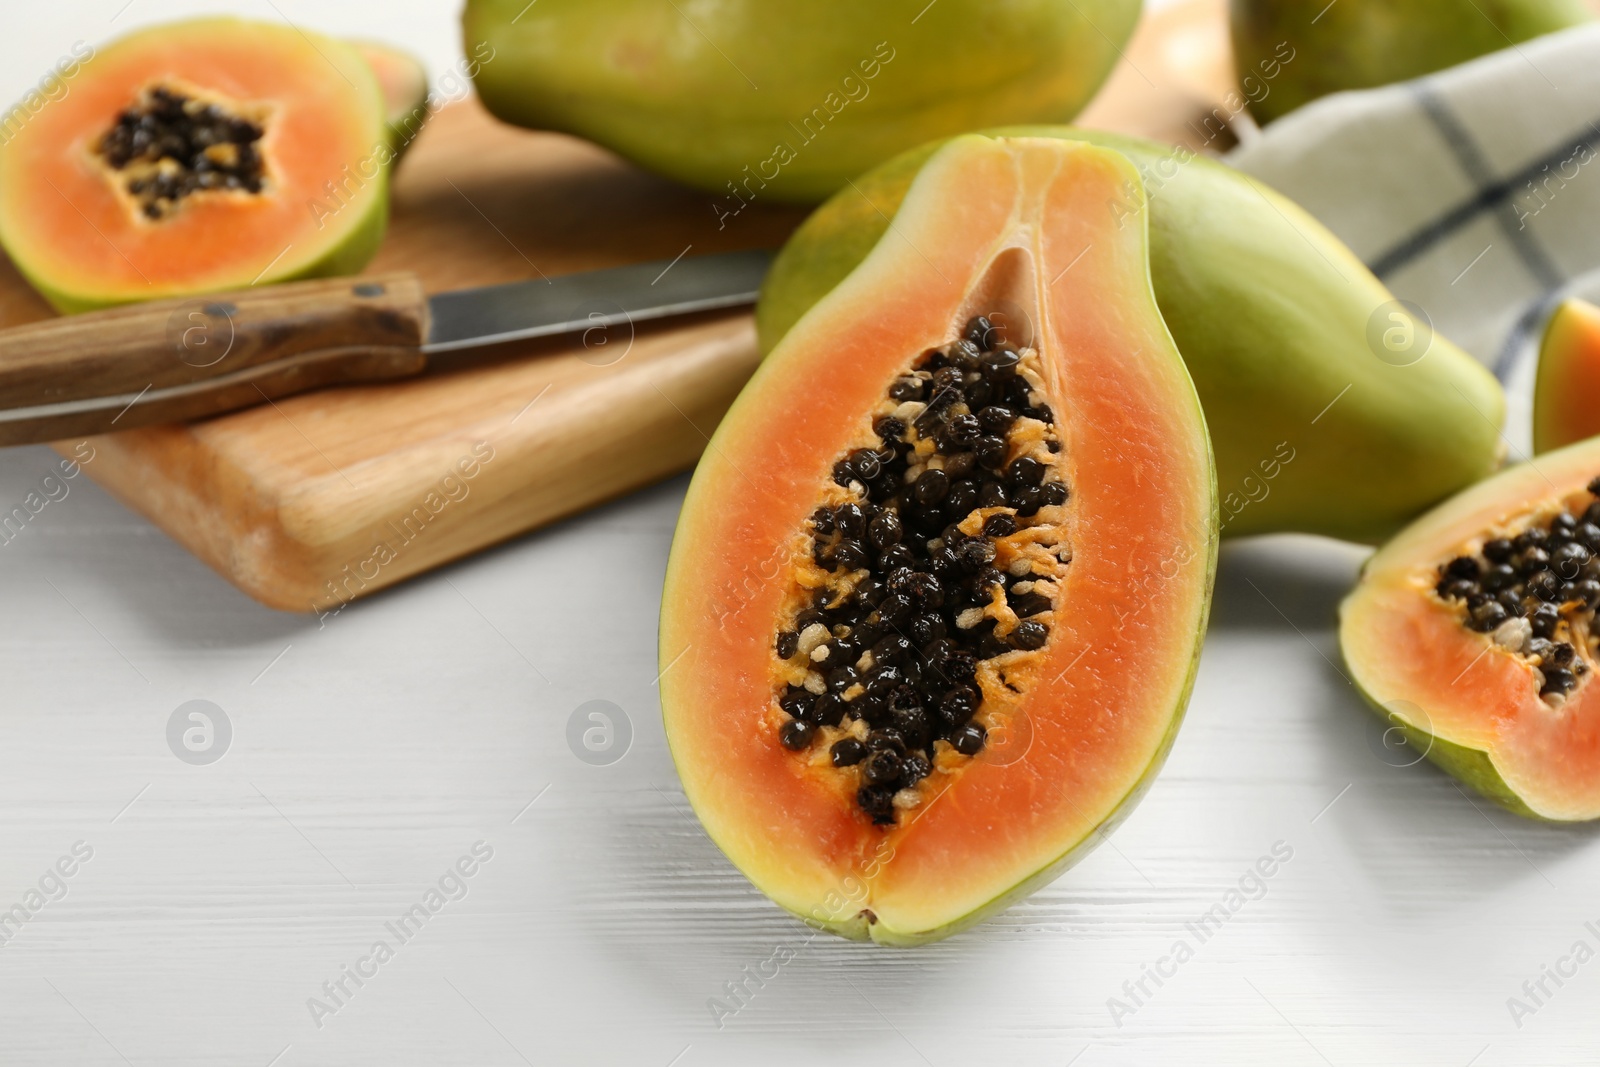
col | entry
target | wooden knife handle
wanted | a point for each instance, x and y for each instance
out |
(187, 358)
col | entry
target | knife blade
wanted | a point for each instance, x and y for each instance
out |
(188, 358)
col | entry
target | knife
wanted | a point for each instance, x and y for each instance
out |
(189, 358)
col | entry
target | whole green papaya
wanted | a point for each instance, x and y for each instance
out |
(1360, 44)
(1331, 409)
(751, 99)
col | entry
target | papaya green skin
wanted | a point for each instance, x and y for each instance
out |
(1470, 766)
(347, 257)
(1360, 44)
(674, 88)
(1271, 313)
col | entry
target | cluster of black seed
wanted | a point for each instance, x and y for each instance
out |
(1549, 575)
(176, 146)
(922, 572)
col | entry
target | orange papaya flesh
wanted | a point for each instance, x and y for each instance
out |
(1081, 675)
(1566, 392)
(1473, 632)
(197, 156)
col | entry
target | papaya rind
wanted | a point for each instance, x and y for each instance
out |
(854, 926)
(1271, 312)
(642, 80)
(349, 256)
(1470, 766)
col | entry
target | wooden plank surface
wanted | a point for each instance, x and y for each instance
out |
(315, 500)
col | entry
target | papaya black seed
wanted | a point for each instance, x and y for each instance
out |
(882, 766)
(898, 557)
(993, 495)
(962, 499)
(1532, 560)
(1499, 576)
(1544, 619)
(1558, 680)
(847, 752)
(1532, 537)
(968, 738)
(1000, 525)
(850, 555)
(828, 710)
(1001, 359)
(932, 485)
(885, 530)
(1462, 567)
(1031, 635)
(1488, 615)
(893, 656)
(797, 734)
(1498, 550)
(1024, 472)
(1568, 560)
(960, 465)
(990, 452)
(877, 802)
(1545, 585)
(979, 331)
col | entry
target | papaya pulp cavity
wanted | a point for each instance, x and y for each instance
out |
(171, 144)
(1534, 590)
(931, 577)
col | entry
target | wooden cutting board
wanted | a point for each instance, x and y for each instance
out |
(315, 500)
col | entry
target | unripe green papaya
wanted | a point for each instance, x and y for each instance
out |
(1360, 44)
(788, 102)
(1281, 327)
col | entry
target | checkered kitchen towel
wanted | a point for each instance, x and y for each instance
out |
(1474, 192)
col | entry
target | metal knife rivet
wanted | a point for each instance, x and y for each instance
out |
(368, 289)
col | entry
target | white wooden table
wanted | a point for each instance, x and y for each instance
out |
(368, 757)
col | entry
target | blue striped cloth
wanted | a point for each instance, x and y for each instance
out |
(1474, 192)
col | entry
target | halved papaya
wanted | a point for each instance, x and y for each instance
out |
(1473, 632)
(937, 593)
(1566, 391)
(197, 156)
(404, 82)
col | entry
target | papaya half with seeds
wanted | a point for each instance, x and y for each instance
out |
(1280, 326)
(752, 100)
(1566, 391)
(1473, 632)
(936, 597)
(198, 156)
(1362, 44)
